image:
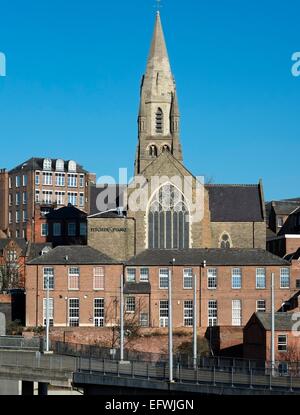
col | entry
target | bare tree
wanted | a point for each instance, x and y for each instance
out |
(132, 324)
(11, 270)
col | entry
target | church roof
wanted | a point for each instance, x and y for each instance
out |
(213, 257)
(235, 203)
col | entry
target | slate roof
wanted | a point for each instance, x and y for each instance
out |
(35, 250)
(66, 212)
(294, 256)
(213, 257)
(137, 288)
(76, 255)
(283, 321)
(235, 203)
(23, 245)
(36, 163)
(285, 208)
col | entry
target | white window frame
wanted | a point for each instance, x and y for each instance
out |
(259, 308)
(188, 279)
(82, 181)
(72, 180)
(144, 276)
(236, 275)
(259, 276)
(283, 285)
(99, 312)
(282, 343)
(188, 313)
(163, 314)
(47, 179)
(76, 318)
(130, 278)
(212, 313)
(130, 304)
(74, 276)
(25, 198)
(236, 313)
(81, 200)
(44, 229)
(98, 275)
(212, 278)
(51, 277)
(164, 275)
(25, 180)
(60, 179)
(60, 198)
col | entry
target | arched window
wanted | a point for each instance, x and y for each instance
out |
(168, 220)
(166, 149)
(159, 121)
(72, 166)
(153, 151)
(225, 241)
(47, 165)
(60, 165)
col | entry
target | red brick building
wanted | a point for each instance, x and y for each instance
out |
(31, 189)
(232, 284)
(257, 337)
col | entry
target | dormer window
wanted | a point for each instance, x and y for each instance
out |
(60, 165)
(159, 118)
(47, 165)
(46, 250)
(72, 166)
(225, 241)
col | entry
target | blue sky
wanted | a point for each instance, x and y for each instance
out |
(74, 71)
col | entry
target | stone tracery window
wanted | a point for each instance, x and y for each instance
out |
(168, 220)
(225, 241)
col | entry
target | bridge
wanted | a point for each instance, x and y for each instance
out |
(105, 376)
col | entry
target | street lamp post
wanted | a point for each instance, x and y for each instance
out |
(195, 323)
(170, 320)
(121, 318)
(47, 314)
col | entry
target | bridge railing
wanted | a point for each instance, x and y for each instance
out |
(20, 342)
(203, 362)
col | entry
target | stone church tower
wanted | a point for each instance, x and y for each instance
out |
(158, 121)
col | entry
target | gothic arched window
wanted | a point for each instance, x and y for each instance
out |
(168, 220)
(225, 241)
(159, 119)
(166, 149)
(153, 151)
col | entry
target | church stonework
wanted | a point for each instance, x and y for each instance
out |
(232, 216)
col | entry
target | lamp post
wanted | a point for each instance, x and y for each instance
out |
(170, 320)
(121, 318)
(273, 324)
(195, 323)
(47, 314)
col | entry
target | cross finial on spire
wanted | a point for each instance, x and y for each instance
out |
(158, 5)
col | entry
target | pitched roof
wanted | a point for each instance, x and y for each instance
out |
(35, 250)
(66, 212)
(285, 207)
(213, 257)
(22, 244)
(36, 163)
(235, 203)
(73, 255)
(283, 321)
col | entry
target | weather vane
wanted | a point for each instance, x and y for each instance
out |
(158, 5)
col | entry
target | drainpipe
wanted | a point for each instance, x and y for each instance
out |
(37, 297)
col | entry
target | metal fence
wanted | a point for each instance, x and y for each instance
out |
(222, 364)
(19, 342)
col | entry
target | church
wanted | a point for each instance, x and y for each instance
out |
(229, 216)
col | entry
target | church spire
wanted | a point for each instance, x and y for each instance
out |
(158, 51)
(159, 113)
